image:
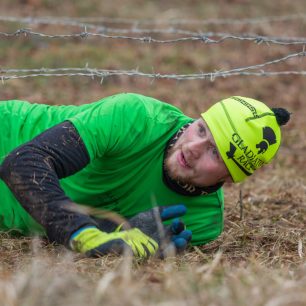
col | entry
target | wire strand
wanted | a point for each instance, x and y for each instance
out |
(103, 73)
(204, 37)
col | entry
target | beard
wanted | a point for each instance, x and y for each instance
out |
(173, 169)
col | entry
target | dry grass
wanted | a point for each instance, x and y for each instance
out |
(259, 260)
(260, 257)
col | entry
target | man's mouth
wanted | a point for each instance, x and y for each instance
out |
(182, 161)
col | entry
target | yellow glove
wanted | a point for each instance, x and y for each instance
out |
(93, 242)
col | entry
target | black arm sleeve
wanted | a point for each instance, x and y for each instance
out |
(32, 172)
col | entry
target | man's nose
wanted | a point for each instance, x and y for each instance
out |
(196, 148)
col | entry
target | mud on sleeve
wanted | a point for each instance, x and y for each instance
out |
(32, 172)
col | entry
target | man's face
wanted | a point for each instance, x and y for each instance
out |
(194, 158)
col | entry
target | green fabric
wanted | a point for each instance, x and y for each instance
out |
(125, 136)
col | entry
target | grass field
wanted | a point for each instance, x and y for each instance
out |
(260, 257)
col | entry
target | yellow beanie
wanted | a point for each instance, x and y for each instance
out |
(246, 133)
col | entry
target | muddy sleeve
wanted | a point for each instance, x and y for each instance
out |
(32, 172)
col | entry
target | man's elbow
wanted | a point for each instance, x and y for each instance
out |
(9, 167)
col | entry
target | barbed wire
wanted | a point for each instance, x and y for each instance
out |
(101, 31)
(211, 76)
(208, 37)
(79, 21)
(202, 37)
(103, 73)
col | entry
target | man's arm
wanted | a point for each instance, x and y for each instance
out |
(32, 172)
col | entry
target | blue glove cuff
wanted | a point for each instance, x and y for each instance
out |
(80, 230)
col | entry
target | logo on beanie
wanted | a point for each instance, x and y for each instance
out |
(231, 155)
(248, 105)
(269, 138)
(248, 160)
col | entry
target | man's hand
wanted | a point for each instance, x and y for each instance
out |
(172, 238)
(94, 243)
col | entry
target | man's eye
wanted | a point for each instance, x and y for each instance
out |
(202, 129)
(215, 152)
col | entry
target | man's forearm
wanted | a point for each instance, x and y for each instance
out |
(32, 172)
